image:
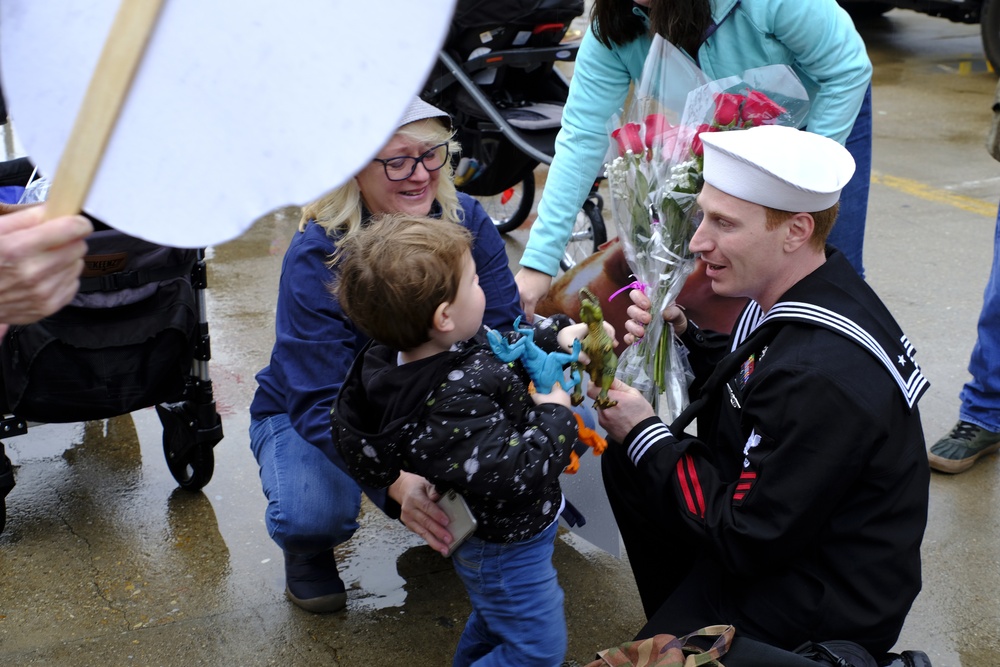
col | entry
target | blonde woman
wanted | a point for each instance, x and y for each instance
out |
(313, 503)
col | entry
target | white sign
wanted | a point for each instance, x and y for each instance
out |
(238, 107)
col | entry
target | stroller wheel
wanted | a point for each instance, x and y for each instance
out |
(6, 485)
(195, 470)
(588, 235)
(510, 208)
(186, 447)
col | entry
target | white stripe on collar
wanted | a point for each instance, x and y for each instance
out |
(912, 386)
(749, 320)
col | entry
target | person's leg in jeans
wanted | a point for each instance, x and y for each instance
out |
(312, 506)
(848, 234)
(978, 430)
(517, 604)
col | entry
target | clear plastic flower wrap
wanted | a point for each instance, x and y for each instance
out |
(37, 190)
(654, 176)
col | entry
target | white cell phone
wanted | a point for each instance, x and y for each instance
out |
(461, 522)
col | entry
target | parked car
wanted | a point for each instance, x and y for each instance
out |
(984, 12)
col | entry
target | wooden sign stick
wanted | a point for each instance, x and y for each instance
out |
(109, 85)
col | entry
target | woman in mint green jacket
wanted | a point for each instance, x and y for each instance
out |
(817, 39)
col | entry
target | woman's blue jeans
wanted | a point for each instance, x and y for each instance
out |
(981, 395)
(312, 505)
(848, 234)
(517, 605)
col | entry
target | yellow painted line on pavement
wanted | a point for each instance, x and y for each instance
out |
(927, 193)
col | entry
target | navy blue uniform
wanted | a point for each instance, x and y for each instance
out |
(798, 511)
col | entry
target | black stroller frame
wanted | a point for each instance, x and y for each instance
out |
(496, 69)
(185, 406)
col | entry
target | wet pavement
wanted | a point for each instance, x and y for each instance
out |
(104, 561)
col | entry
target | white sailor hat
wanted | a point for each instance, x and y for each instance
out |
(777, 166)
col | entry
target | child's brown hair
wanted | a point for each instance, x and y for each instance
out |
(394, 273)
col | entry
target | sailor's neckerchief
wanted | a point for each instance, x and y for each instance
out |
(833, 297)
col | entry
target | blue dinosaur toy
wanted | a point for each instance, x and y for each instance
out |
(544, 368)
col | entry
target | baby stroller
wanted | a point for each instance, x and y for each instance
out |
(135, 336)
(497, 78)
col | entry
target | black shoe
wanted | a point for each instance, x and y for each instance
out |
(313, 583)
(906, 659)
(966, 444)
(837, 653)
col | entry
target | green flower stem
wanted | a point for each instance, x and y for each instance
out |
(661, 358)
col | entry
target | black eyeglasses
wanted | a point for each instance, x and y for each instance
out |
(402, 167)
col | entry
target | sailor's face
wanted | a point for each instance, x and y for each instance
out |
(743, 257)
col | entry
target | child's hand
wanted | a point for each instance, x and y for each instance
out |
(611, 332)
(556, 395)
(567, 335)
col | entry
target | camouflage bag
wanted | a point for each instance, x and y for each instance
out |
(669, 651)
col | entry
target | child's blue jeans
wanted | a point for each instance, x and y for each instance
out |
(517, 605)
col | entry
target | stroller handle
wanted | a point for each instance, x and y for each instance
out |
(487, 107)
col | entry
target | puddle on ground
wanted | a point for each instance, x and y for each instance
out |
(367, 561)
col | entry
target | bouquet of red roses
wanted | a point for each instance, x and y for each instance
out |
(655, 174)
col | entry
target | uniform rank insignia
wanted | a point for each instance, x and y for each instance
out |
(747, 476)
(745, 370)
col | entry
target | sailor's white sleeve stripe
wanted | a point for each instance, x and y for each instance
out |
(646, 438)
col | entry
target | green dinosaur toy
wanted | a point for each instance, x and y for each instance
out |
(600, 347)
